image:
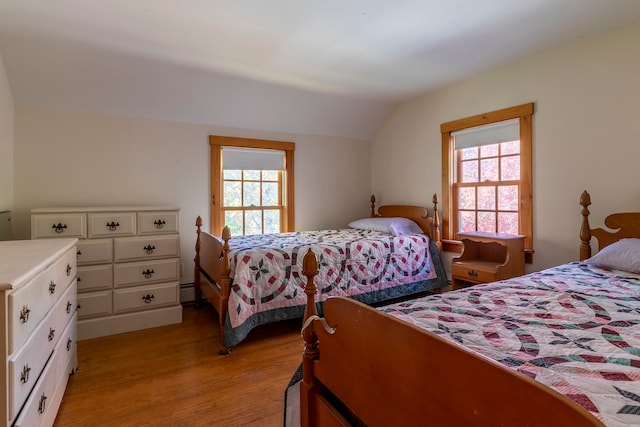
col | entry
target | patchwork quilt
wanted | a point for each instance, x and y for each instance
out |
(574, 328)
(267, 282)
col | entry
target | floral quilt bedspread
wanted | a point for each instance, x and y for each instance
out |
(575, 328)
(266, 269)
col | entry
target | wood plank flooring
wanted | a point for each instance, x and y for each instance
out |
(174, 376)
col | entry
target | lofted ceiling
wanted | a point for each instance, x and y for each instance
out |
(332, 67)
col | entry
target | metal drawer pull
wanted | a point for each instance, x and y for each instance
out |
(112, 226)
(69, 341)
(472, 273)
(69, 305)
(69, 268)
(149, 249)
(59, 228)
(42, 404)
(24, 314)
(148, 273)
(52, 288)
(79, 252)
(24, 376)
(159, 223)
(52, 333)
(148, 298)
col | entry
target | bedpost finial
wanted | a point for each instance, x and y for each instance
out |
(585, 199)
(226, 233)
(199, 221)
(373, 205)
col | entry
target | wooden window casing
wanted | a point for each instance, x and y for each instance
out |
(525, 209)
(216, 144)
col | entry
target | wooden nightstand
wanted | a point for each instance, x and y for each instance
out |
(487, 257)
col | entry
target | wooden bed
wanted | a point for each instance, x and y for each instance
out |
(362, 366)
(212, 274)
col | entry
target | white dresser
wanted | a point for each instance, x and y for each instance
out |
(128, 264)
(38, 286)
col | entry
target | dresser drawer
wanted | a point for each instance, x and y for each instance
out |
(112, 224)
(98, 251)
(157, 222)
(95, 277)
(29, 304)
(40, 403)
(27, 363)
(145, 297)
(474, 272)
(135, 273)
(94, 304)
(59, 225)
(141, 248)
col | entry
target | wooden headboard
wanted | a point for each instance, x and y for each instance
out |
(625, 225)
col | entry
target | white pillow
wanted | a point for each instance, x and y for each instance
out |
(392, 225)
(622, 255)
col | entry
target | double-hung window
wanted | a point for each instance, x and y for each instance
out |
(487, 174)
(251, 185)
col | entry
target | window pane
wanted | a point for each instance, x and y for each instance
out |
(251, 195)
(508, 222)
(253, 222)
(487, 198)
(252, 175)
(233, 219)
(469, 153)
(232, 174)
(232, 193)
(469, 171)
(270, 194)
(489, 150)
(508, 198)
(467, 198)
(487, 222)
(512, 147)
(271, 220)
(270, 175)
(467, 221)
(510, 168)
(488, 170)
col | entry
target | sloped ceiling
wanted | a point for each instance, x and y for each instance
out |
(335, 67)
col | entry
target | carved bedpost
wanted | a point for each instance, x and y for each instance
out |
(196, 260)
(436, 223)
(310, 353)
(373, 206)
(225, 284)
(585, 229)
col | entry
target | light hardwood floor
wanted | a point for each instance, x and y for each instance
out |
(173, 376)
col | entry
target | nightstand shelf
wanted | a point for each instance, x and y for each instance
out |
(487, 257)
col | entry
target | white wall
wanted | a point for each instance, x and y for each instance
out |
(586, 136)
(6, 142)
(85, 159)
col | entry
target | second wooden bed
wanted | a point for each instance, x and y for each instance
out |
(253, 280)
(560, 347)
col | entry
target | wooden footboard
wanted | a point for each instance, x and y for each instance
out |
(211, 275)
(363, 366)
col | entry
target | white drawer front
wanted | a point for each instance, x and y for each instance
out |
(143, 297)
(141, 248)
(95, 277)
(112, 224)
(94, 304)
(58, 225)
(157, 222)
(29, 304)
(39, 404)
(66, 348)
(27, 363)
(98, 251)
(135, 273)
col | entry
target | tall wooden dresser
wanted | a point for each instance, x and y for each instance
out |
(38, 312)
(128, 264)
